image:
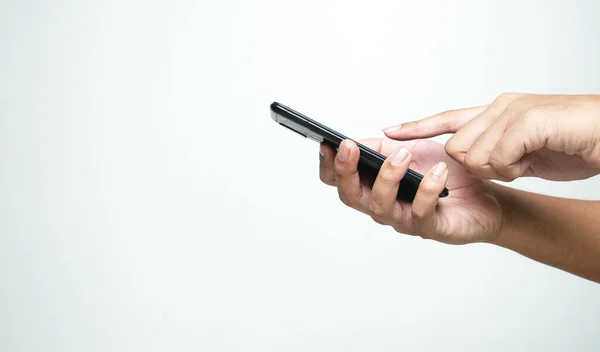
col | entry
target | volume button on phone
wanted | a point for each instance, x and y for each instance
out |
(314, 137)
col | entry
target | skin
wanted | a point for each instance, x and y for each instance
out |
(552, 137)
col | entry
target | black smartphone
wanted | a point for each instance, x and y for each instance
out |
(370, 161)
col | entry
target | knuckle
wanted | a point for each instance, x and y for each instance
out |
(507, 97)
(503, 96)
(328, 181)
(429, 189)
(402, 229)
(339, 169)
(378, 220)
(451, 147)
(508, 173)
(322, 176)
(344, 199)
(387, 175)
(547, 129)
(496, 160)
(425, 235)
(376, 209)
(344, 171)
(412, 125)
(349, 197)
(513, 173)
(509, 177)
(326, 177)
(533, 114)
(472, 162)
(336, 170)
(503, 178)
(404, 225)
(420, 213)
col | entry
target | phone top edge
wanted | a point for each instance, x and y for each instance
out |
(367, 152)
(288, 112)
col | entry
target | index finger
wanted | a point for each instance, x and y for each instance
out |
(386, 147)
(442, 123)
(326, 157)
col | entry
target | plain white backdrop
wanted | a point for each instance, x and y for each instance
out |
(149, 203)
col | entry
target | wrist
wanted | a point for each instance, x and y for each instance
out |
(530, 224)
(510, 211)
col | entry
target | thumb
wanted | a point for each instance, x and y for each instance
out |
(445, 122)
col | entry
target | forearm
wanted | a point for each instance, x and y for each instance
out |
(563, 233)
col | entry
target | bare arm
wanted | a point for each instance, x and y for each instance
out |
(563, 233)
(554, 137)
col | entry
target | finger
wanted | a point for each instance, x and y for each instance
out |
(385, 146)
(445, 122)
(512, 156)
(463, 139)
(423, 208)
(385, 189)
(477, 158)
(347, 179)
(326, 159)
(377, 220)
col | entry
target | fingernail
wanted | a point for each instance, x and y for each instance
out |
(399, 156)
(321, 151)
(343, 152)
(439, 169)
(392, 129)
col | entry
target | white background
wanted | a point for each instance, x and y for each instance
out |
(149, 203)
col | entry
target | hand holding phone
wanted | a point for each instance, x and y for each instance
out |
(370, 161)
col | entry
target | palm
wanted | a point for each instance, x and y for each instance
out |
(470, 213)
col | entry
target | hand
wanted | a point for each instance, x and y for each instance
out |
(555, 137)
(470, 213)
